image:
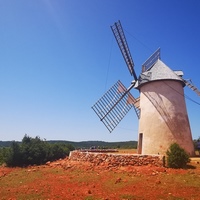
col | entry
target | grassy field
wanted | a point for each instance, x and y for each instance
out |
(77, 181)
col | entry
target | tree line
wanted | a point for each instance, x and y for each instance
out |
(86, 144)
(33, 151)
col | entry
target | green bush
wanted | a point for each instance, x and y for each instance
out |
(1, 156)
(4, 152)
(177, 157)
(12, 156)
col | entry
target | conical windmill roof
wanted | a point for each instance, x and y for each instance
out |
(158, 71)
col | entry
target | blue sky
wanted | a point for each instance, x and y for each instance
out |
(57, 58)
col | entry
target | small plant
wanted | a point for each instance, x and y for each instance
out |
(177, 157)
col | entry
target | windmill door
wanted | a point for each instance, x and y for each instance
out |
(140, 143)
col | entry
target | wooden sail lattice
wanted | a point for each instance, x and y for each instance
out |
(114, 105)
(123, 45)
(151, 60)
(192, 87)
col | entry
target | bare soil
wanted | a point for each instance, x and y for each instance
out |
(65, 179)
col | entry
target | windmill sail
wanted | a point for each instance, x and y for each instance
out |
(113, 105)
(151, 60)
(121, 40)
(192, 87)
(135, 103)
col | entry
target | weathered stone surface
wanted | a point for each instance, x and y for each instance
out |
(117, 159)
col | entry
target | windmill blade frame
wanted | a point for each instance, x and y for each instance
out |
(113, 105)
(151, 60)
(191, 86)
(123, 45)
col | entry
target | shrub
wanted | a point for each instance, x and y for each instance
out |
(177, 157)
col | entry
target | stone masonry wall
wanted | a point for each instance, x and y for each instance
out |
(117, 159)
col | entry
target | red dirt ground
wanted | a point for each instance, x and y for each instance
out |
(65, 179)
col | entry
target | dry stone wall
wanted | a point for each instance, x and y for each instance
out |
(115, 160)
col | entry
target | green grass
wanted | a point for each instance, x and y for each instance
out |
(21, 177)
(32, 196)
(18, 180)
(92, 198)
(129, 197)
(184, 180)
(83, 177)
(19, 184)
(188, 180)
(56, 171)
(117, 181)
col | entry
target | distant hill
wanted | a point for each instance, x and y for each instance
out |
(5, 143)
(88, 144)
(100, 144)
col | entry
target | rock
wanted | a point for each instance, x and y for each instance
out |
(118, 180)
(116, 160)
(67, 167)
(89, 192)
(158, 182)
(57, 163)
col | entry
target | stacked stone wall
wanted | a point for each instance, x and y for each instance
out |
(115, 160)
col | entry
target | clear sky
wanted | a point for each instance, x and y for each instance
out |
(57, 58)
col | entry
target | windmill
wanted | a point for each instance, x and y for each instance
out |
(160, 108)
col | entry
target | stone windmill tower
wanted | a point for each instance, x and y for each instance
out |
(161, 107)
(163, 113)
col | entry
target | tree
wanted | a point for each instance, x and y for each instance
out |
(13, 155)
(177, 157)
(197, 145)
(34, 151)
